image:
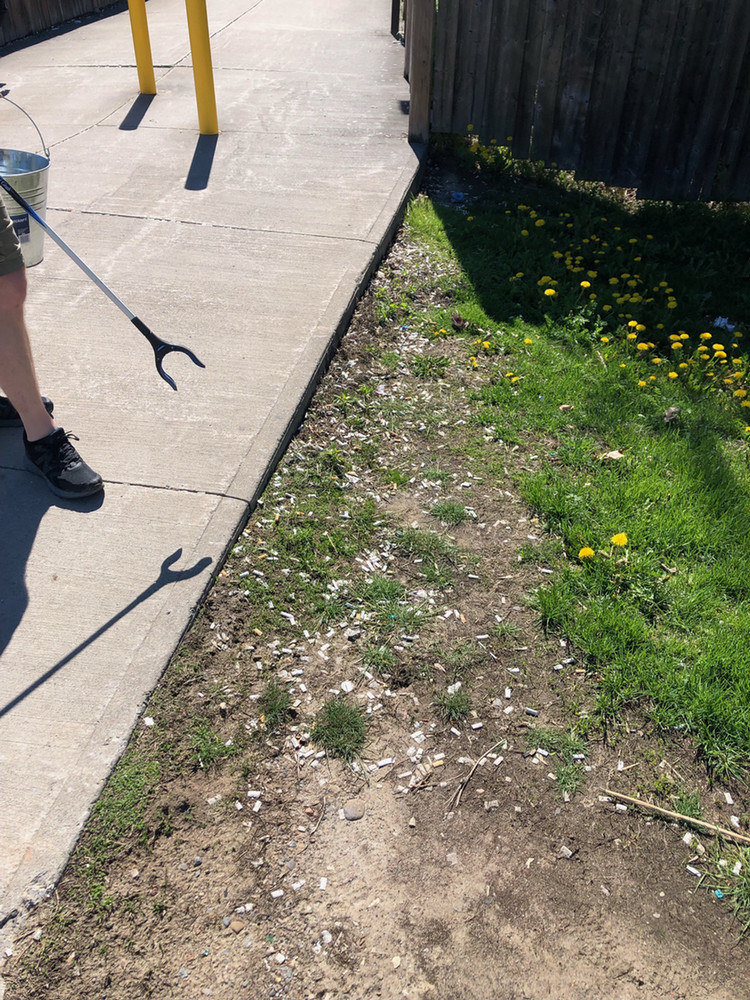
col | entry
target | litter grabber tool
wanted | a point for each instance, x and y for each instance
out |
(161, 347)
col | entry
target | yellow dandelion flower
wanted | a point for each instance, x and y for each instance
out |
(524, 232)
(550, 292)
(631, 336)
(641, 383)
(605, 340)
(745, 402)
(740, 393)
(642, 346)
(586, 553)
(676, 346)
(705, 336)
(606, 308)
(656, 361)
(620, 539)
(528, 340)
(633, 323)
(486, 344)
(673, 375)
(539, 222)
(672, 304)
(585, 284)
(640, 327)
(683, 365)
(652, 378)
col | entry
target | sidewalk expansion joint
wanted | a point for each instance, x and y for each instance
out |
(176, 489)
(213, 225)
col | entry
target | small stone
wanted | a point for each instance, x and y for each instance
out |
(490, 806)
(347, 687)
(354, 809)
(452, 859)
(566, 852)
(396, 961)
(227, 921)
(412, 822)
(236, 926)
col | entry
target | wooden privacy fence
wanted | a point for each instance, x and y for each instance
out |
(648, 94)
(25, 17)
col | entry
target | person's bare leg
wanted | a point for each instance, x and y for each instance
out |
(17, 374)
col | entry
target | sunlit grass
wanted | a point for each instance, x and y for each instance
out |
(590, 324)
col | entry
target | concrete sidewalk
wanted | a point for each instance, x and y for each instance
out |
(251, 250)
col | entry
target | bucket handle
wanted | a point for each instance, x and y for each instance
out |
(4, 95)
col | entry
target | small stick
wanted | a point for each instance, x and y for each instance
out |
(701, 824)
(460, 790)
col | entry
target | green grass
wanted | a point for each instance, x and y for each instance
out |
(274, 704)
(733, 888)
(664, 621)
(453, 706)
(450, 512)
(438, 556)
(387, 607)
(208, 748)
(340, 730)
(561, 746)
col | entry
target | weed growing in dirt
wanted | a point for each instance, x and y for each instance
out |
(274, 704)
(436, 555)
(340, 730)
(450, 512)
(208, 747)
(453, 705)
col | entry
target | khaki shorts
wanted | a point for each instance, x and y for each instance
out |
(11, 258)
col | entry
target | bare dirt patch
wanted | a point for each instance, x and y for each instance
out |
(241, 874)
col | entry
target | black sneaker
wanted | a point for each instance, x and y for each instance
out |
(55, 458)
(9, 414)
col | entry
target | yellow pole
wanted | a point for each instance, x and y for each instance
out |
(142, 45)
(203, 74)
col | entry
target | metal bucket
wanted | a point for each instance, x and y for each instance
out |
(27, 173)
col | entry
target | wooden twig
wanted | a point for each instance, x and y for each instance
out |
(718, 831)
(460, 790)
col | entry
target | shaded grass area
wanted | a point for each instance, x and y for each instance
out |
(591, 317)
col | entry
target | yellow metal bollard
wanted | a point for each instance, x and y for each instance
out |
(203, 74)
(142, 45)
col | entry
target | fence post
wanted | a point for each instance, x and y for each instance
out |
(422, 29)
(395, 17)
(203, 74)
(142, 44)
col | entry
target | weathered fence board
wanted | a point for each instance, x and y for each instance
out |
(25, 17)
(652, 94)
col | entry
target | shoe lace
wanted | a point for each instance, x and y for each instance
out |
(68, 453)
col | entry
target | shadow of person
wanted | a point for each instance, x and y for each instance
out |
(23, 505)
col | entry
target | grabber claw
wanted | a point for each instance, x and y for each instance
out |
(162, 349)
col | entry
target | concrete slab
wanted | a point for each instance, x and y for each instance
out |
(251, 249)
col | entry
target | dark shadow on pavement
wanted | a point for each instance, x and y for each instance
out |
(203, 159)
(21, 513)
(137, 112)
(166, 576)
